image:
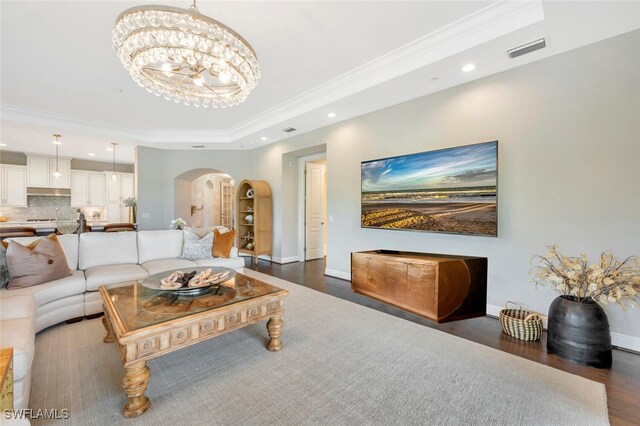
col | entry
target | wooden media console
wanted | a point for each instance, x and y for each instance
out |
(438, 287)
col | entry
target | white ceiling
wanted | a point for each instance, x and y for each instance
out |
(60, 74)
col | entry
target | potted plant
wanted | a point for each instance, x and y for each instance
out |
(578, 327)
(178, 223)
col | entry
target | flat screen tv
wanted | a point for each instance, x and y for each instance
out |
(451, 190)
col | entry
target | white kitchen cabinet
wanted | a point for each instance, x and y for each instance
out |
(123, 186)
(40, 172)
(97, 189)
(13, 185)
(79, 188)
(87, 189)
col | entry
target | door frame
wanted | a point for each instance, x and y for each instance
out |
(302, 235)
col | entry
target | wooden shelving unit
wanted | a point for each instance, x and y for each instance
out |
(259, 232)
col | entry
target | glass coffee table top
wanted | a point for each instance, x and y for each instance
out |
(139, 307)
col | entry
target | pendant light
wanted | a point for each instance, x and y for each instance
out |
(114, 175)
(56, 141)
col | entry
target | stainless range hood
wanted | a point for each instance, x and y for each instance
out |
(52, 192)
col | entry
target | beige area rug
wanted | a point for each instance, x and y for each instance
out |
(342, 364)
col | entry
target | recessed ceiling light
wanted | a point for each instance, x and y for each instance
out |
(109, 149)
(331, 114)
(3, 144)
(468, 68)
(434, 79)
(264, 138)
(91, 154)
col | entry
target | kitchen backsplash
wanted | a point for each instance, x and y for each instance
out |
(48, 201)
(21, 214)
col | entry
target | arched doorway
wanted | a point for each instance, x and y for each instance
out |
(204, 198)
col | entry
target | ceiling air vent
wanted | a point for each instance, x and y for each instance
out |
(197, 146)
(532, 46)
(289, 130)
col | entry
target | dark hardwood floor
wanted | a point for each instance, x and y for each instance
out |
(622, 380)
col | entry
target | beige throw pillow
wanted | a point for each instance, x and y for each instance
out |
(37, 263)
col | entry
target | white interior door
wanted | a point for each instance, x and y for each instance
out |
(314, 211)
(226, 203)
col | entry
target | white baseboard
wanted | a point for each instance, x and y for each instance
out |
(337, 274)
(283, 260)
(619, 340)
(625, 341)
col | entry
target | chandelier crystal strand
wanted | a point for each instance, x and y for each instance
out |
(185, 56)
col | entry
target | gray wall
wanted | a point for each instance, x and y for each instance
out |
(100, 166)
(158, 170)
(569, 145)
(13, 157)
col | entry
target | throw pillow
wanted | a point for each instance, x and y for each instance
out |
(4, 270)
(203, 231)
(196, 248)
(222, 243)
(39, 262)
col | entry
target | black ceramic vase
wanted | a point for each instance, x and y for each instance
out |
(579, 332)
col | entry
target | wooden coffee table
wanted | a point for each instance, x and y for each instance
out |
(147, 323)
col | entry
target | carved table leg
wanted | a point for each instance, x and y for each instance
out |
(109, 337)
(274, 326)
(134, 383)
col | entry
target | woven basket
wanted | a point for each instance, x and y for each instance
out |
(521, 324)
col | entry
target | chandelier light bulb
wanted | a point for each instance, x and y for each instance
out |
(167, 69)
(198, 81)
(161, 45)
(224, 77)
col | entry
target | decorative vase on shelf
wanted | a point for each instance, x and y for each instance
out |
(579, 332)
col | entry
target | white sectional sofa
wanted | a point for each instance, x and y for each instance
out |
(96, 259)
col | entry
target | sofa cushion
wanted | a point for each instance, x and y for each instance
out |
(53, 290)
(232, 263)
(19, 333)
(195, 248)
(154, 245)
(4, 269)
(107, 248)
(16, 307)
(69, 244)
(37, 263)
(156, 266)
(113, 274)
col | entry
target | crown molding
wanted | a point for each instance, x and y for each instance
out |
(496, 20)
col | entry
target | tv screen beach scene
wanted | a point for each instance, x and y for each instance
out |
(452, 190)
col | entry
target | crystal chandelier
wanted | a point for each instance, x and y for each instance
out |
(183, 55)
